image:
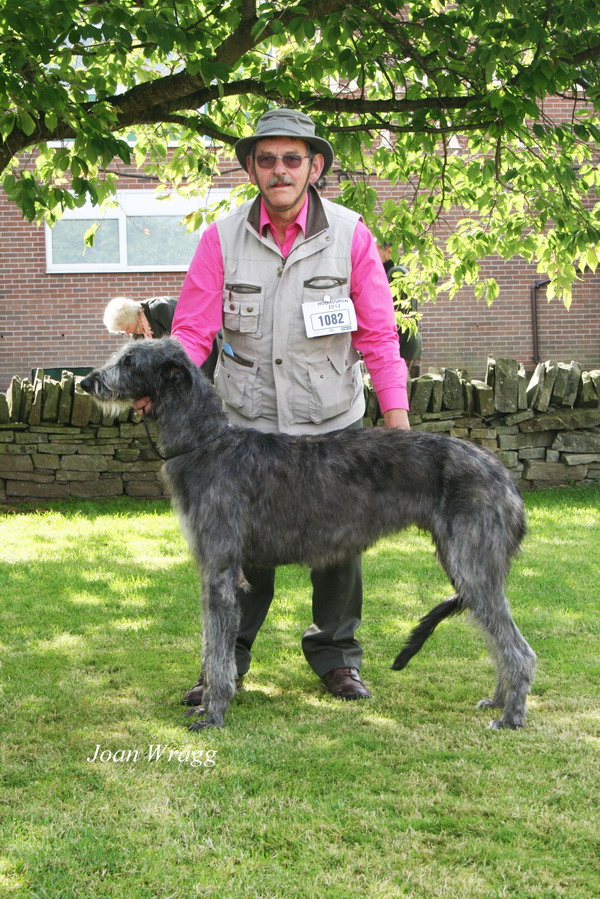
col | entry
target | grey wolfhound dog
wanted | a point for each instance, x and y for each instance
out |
(244, 497)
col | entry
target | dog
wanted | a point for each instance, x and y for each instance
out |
(245, 497)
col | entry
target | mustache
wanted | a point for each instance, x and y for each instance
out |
(275, 180)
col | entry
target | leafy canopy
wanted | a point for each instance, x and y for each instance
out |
(457, 103)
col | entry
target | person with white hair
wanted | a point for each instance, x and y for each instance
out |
(150, 318)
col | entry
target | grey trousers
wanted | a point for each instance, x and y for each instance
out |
(336, 606)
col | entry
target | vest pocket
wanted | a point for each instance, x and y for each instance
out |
(333, 385)
(239, 386)
(242, 308)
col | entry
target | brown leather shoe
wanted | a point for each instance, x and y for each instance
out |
(345, 683)
(194, 696)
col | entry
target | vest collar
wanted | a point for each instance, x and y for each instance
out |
(316, 220)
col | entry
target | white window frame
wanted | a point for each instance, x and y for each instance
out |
(130, 203)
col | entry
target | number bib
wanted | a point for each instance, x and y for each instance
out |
(328, 316)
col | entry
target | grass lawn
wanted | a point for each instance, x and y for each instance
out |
(408, 794)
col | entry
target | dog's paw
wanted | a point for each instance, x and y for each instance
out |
(202, 725)
(487, 704)
(502, 723)
(194, 710)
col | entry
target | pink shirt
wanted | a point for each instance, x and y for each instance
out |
(199, 311)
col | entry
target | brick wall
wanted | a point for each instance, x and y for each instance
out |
(55, 320)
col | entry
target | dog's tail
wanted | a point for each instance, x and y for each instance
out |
(424, 629)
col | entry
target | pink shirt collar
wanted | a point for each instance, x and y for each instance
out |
(291, 232)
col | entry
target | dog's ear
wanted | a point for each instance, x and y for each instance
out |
(174, 373)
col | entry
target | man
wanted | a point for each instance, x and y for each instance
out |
(151, 318)
(297, 288)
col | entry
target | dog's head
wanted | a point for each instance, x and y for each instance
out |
(142, 368)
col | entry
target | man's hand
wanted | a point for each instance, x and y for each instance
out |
(143, 405)
(396, 418)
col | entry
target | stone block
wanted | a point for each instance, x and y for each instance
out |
(587, 398)
(452, 390)
(67, 475)
(535, 385)
(4, 413)
(29, 490)
(62, 448)
(66, 398)
(10, 464)
(560, 384)
(572, 388)
(519, 417)
(532, 452)
(580, 458)
(82, 407)
(545, 392)
(92, 489)
(35, 415)
(13, 398)
(26, 400)
(486, 444)
(135, 488)
(506, 385)
(577, 442)
(522, 396)
(50, 400)
(484, 399)
(468, 397)
(554, 472)
(508, 459)
(437, 393)
(83, 463)
(421, 394)
(562, 420)
(45, 461)
(468, 422)
(107, 433)
(435, 427)
(524, 441)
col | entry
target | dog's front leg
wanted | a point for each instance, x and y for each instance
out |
(220, 623)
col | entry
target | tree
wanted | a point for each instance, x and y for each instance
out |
(449, 100)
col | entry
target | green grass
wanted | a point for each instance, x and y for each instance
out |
(408, 794)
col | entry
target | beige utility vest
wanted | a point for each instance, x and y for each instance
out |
(278, 379)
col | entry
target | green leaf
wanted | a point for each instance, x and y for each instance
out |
(26, 123)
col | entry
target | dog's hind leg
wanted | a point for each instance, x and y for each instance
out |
(220, 622)
(514, 658)
(475, 548)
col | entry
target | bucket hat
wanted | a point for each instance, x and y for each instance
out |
(285, 123)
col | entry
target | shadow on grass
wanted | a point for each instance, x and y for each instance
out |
(101, 611)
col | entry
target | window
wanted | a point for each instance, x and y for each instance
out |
(141, 234)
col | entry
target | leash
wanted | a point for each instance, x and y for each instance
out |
(185, 452)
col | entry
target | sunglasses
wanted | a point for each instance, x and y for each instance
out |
(290, 160)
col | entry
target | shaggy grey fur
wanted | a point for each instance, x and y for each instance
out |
(270, 499)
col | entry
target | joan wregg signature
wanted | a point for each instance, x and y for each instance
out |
(156, 752)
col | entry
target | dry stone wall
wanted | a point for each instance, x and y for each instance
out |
(545, 428)
(56, 443)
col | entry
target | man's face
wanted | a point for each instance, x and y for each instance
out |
(283, 187)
